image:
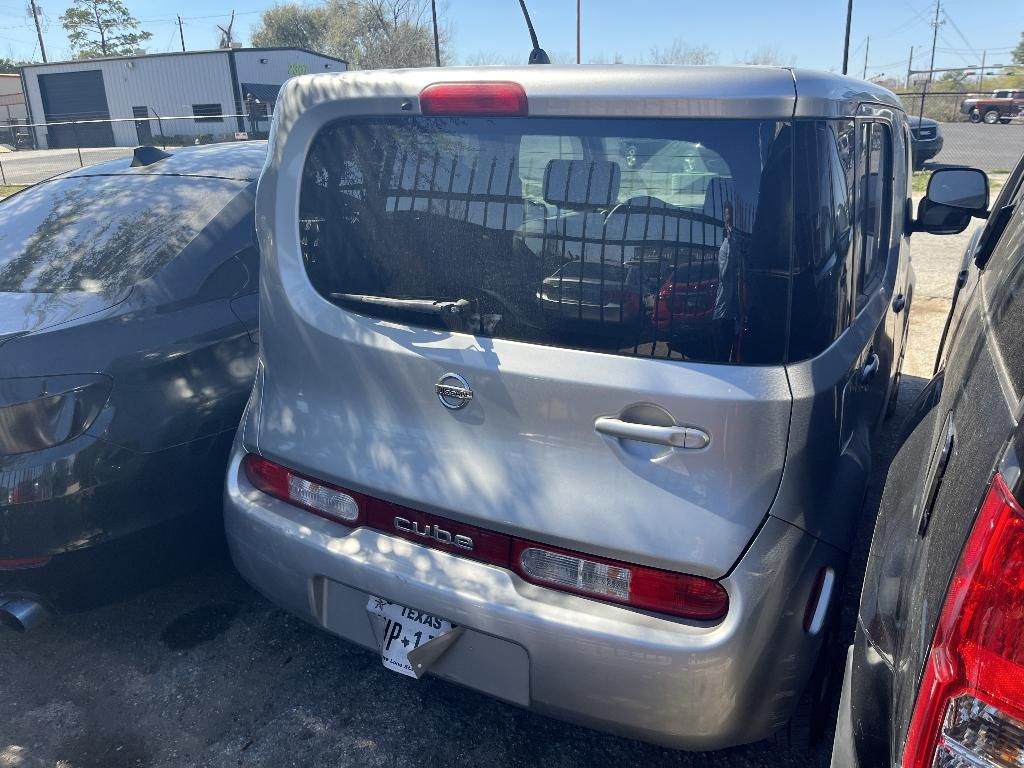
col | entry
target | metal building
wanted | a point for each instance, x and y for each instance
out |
(149, 98)
(12, 107)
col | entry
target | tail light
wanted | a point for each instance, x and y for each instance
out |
(652, 589)
(320, 498)
(667, 286)
(40, 413)
(486, 99)
(24, 563)
(677, 594)
(970, 707)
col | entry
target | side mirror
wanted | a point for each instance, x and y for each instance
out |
(954, 197)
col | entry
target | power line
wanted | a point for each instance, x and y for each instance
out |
(961, 34)
(909, 24)
(937, 35)
(968, 50)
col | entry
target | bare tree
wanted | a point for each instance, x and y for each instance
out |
(602, 58)
(680, 52)
(768, 55)
(489, 58)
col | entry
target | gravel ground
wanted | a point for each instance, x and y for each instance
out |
(205, 672)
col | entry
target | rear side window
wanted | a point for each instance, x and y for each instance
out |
(823, 235)
(664, 238)
(874, 202)
(102, 233)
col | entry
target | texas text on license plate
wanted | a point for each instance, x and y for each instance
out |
(403, 630)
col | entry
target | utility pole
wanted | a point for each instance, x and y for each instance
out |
(437, 42)
(846, 44)
(577, 31)
(39, 30)
(910, 66)
(981, 73)
(181, 33)
(931, 67)
(935, 36)
(867, 48)
(226, 38)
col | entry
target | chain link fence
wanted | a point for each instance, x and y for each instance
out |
(31, 152)
(954, 131)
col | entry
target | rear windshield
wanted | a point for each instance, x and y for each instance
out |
(658, 237)
(102, 234)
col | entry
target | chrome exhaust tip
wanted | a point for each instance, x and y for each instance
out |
(22, 614)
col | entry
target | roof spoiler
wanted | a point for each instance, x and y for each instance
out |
(147, 156)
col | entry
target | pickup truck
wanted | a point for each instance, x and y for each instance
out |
(1001, 107)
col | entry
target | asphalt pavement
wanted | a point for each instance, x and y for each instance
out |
(988, 147)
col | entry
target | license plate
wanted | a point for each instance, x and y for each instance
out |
(401, 630)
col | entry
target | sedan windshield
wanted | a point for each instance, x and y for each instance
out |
(102, 234)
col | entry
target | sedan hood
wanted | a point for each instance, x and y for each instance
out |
(22, 313)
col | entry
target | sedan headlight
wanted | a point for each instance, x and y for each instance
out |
(39, 413)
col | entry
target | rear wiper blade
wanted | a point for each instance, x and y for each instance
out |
(422, 306)
(454, 314)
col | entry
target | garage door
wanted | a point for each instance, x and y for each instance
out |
(76, 96)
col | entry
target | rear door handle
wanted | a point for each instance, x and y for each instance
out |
(899, 303)
(674, 437)
(867, 373)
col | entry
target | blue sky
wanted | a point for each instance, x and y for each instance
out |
(808, 32)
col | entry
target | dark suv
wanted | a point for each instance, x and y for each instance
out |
(936, 672)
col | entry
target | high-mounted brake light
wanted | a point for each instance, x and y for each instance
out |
(493, 99)
(652, 589)
(970, 706)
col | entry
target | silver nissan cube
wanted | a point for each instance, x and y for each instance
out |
(568, 378)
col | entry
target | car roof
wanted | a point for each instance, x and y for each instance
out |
(772, 93)
(240, 160)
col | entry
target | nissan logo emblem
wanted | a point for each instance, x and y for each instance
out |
(453, 391)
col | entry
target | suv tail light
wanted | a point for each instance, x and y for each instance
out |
(970, 706)
(483, 99)
(652, 589)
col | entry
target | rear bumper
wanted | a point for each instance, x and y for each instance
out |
(103, 521)
(676, 683)
(843, 753)
(926, 149)
(610, 313)
(866, 728)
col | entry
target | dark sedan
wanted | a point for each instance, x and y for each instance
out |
(128, 322)
(925, 139)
